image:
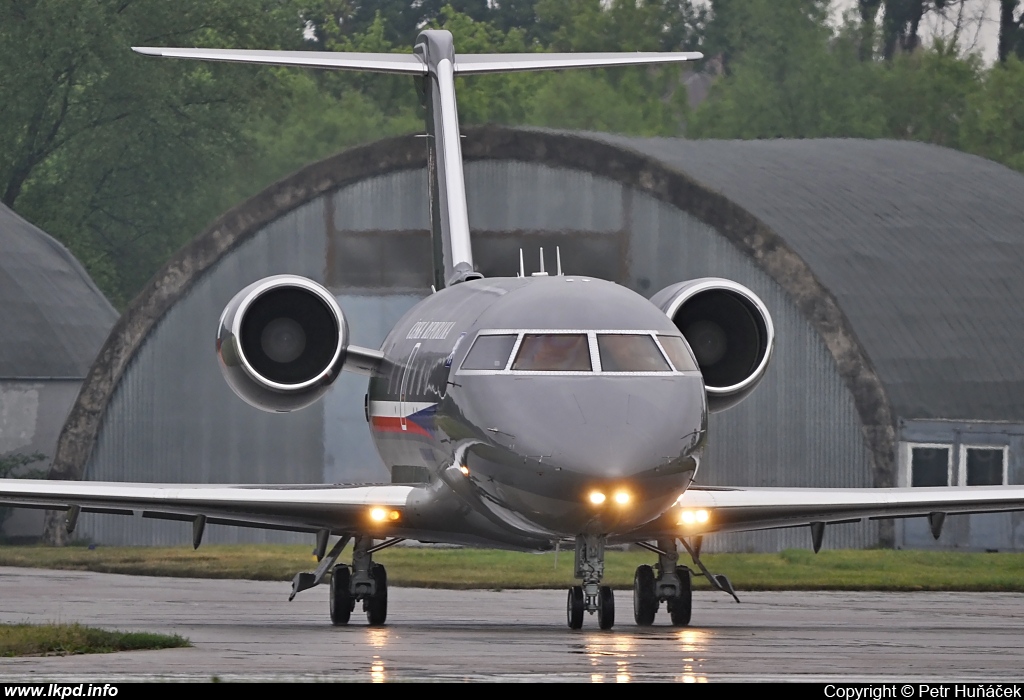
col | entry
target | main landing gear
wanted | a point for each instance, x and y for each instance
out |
(672, 585)
(364, 581)
(591, 597)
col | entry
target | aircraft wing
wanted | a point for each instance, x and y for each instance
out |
(299, 508)
(705, 510)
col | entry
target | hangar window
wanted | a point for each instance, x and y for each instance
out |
(930, 465)
(554, 352)
(490, 352)
(982, 466)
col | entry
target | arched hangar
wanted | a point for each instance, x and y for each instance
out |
(53, 320)
(891, 270)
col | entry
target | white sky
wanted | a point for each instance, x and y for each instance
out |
(979, 22)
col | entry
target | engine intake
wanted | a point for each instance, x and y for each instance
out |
(282, 342)
(729, 331)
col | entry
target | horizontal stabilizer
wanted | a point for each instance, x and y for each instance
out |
(470, 64)
(375, 62)
(410, 64)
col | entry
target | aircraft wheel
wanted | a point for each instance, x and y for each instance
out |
(605, 608)
(574, 608)
(342, 601)
(377, 605)
(645, 596)
(680, 607)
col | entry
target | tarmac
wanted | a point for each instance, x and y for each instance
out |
(248, 631)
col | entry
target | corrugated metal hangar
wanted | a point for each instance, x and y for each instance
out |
(53, 320)
(891, 270)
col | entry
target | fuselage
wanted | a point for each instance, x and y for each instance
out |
(555, 405)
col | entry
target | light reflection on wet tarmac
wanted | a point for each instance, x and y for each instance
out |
(245, 630)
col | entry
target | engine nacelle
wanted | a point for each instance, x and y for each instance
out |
(282, 341)
(729, 330)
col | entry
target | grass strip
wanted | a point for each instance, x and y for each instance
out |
(797, 569)
(61, 640)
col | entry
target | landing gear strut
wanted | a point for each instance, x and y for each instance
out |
(368, 583)
(591, 597)
(673, 584)
(364, 581)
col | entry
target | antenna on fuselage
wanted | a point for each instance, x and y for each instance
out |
(542, 272)
(522, 268)
(558, 261)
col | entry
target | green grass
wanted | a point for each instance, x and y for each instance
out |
(60, 640)
(883, 570)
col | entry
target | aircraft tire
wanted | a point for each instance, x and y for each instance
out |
(605, 608)
(680, 607)
(377, 604)
(574, 608)
(342, 601)
(645, 596)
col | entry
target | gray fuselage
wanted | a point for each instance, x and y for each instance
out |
(528, 449)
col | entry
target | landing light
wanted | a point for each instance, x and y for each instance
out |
(622, 497)
(464, 469)
(597, 498)
(380, 515)
(694, 517)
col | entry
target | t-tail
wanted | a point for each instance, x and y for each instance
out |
(434, 60)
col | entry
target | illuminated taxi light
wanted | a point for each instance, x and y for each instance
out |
(692, 517)
(378, 515)
(464, 469)
(597, 498)
(622, 497)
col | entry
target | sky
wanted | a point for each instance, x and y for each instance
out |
(978, 19)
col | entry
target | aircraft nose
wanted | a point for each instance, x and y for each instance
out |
(588, 454)
(616, 428)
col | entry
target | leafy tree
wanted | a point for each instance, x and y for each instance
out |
(794, 79)
(113, 152)
(993, 124)
(925, 95)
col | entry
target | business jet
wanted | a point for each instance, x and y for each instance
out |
(545, 408)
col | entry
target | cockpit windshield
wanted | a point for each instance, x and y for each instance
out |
(490, 352)
(630, 353)
(553, 352)
(577, 352)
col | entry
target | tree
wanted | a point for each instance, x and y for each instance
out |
(113, 152)
(993, 124)
(794, 77)
(1011, 31)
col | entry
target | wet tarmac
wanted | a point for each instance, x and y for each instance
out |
(247, 630)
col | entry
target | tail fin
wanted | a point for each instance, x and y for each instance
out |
(434, 59)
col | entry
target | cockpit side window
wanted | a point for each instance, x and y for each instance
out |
(630, 353)
(553, 352)
(490, 352)
(675, 348)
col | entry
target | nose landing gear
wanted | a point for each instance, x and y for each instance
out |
(591, 597)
